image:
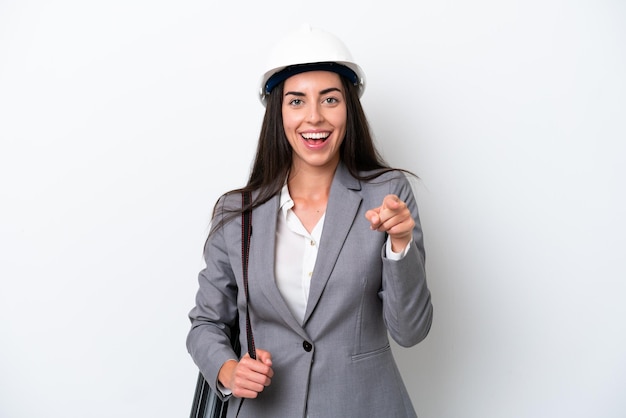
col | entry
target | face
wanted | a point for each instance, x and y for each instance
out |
(314, 118)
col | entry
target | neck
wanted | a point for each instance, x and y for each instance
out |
(311, 185)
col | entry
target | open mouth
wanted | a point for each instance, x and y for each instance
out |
(315, 137)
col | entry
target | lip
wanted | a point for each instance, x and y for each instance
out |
(315, 139)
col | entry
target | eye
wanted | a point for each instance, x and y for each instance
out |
(331, 100)
(295, 102)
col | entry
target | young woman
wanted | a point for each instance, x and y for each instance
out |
(336, 259)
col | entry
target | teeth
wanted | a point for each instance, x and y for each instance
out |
(317, 135)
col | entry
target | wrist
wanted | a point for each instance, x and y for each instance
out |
(224, 376)
(398, 244)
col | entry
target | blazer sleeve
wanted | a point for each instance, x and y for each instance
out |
(407, 307)
(214, 315)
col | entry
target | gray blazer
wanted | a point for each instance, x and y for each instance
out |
(338, 363)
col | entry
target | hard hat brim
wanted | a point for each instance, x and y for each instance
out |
(272, 78)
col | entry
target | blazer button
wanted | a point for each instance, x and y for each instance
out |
(307, 346)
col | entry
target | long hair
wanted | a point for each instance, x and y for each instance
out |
(274, 154)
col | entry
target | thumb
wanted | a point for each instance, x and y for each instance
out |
(264, 356)
(372, 214)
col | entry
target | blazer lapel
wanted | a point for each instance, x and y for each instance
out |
(261, 262)
(343, 206)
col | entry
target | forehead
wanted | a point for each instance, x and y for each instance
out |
(313, 80)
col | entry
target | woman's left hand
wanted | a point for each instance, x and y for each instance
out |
(394, 218)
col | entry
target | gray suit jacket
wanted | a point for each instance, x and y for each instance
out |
(338, 362)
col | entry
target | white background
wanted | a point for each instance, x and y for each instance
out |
(121, 122)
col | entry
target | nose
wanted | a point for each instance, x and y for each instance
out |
(315, 115)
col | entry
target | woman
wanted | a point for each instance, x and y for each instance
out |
(336, 258)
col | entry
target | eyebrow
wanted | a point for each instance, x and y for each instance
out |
(300, 94)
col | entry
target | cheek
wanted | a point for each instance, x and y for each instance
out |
(289, 122)
(340, 123)
(289, 129)
(339, 118)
